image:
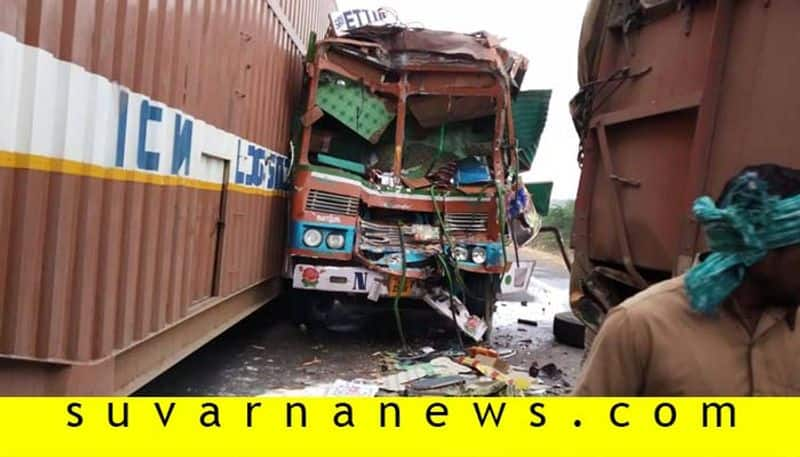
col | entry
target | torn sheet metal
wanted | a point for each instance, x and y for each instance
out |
(400, 48)
(473, 326)
(435, 110)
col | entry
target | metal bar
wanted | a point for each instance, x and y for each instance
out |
(616, 207)
(700, 155)
(557, 234)
(371, 83)
(512, 137)
(400, 127)
(428, 88)
(499, 124)
(305, 140)
(678, 103)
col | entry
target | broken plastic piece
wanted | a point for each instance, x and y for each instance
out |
(472, 326)
(342, 388)
(436, 382)
(519, 380)
(472, 170)
(475, 350)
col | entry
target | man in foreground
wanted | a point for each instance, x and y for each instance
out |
(727, 327)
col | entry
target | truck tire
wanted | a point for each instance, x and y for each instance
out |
(568, 330)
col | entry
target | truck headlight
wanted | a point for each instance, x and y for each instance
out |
(460, 253)
(335, 240)
(312, 238)
(478, 255)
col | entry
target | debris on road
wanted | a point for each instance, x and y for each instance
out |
(396, 382)
(313, 361)
(528, 322)
(506, 353)
(473, 326)
(446, 366)
(342, 388)
(480, 350)
(520, 381)
(374, 365)
(435, 382)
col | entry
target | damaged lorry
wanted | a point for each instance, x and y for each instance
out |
(676, 98)
(406, 185)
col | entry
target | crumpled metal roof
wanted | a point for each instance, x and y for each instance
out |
(403, 48)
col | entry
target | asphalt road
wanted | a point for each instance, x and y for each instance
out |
(266, 353)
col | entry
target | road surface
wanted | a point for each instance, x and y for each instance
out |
(266, 353)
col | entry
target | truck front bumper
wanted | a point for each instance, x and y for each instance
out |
(352, 280)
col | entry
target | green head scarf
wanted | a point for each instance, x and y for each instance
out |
(748, 223)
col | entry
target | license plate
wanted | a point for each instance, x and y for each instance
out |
(394, 286)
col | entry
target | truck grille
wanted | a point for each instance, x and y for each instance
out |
(466, 222)
(327, 202)
(380, 234)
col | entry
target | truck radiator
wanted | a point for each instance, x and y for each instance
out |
(328, 202)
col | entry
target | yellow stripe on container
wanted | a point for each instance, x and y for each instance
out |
(9, 159)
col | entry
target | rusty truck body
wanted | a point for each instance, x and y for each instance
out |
(408, 167)
(676, 97)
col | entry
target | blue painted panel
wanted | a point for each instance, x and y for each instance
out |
(299, 227)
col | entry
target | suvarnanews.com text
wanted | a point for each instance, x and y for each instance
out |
(386, 414)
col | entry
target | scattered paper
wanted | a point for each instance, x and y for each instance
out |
(396, 382)
(342, 388)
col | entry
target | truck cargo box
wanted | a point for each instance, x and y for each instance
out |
(676, 97)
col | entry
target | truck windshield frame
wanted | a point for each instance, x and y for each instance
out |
(426, 80)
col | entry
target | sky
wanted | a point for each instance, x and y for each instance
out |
(546, 32)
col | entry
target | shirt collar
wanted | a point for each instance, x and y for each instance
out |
(776, 315)
(772, 314)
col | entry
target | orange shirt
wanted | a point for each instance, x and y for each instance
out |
(655, 344)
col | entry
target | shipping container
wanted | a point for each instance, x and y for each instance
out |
(144, 146)
(676, 98)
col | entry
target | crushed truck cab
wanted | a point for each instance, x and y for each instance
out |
(405, 184)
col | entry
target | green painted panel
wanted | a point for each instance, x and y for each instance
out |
(341, 163)
(355, 106)
(530, 115)
(540, 194)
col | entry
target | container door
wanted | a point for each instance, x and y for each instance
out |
(208, 225)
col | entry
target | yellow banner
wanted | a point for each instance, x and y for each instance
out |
(409, 427)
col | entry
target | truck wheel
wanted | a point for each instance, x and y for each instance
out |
(568, 329)
(300, 305)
